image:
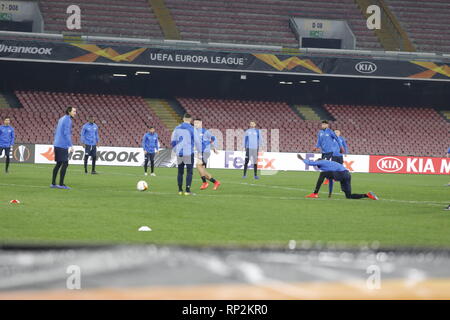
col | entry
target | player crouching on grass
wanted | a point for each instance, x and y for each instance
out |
(206, 139)
(333, 170)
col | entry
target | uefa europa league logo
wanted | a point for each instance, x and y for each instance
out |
(21, 153)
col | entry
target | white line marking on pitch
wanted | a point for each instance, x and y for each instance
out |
(425, 202)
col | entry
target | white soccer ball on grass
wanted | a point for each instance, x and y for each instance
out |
(142, 185)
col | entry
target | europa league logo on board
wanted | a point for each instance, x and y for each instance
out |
(23, 153)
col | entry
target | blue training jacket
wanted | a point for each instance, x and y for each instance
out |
(326, 165)
(326, 140)
(185, 139)
(89, 134)
(206, 138)
(337, 149)
(150, 142)
(63, 133)
(6, 136)
(252, 139)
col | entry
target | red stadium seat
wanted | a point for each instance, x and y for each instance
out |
(123, 120)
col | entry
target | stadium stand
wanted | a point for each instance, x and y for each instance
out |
(165, 112)
(3, 102)
(115, 18)
(392, 130)
(426, 23)
(225, 114)
(247, 22)
(122, 120)
(391, 35)
(262, 21)
(168, 26)
(306, 112)
(445, 114)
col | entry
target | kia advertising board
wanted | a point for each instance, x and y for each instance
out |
(410, 165)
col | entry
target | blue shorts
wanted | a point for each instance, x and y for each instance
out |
(61, 155)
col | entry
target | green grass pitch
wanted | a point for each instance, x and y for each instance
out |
(107, 208)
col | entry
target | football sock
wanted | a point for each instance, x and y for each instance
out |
(188, 180)
(55, 172)
(245, 167)
(355, 195)
(85, 163)
(63, 173)
(7, 164)
(204, 179)
(319, 182)
(180, 177)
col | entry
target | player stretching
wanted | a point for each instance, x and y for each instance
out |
(150, 145)
(336, 171)
(6, 141)
(252, 143)
(183, 141)
(207, 139)
(337, 155)
(89, 137)
(62, 143)
(326, 140)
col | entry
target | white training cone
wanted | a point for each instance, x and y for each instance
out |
(144, 228)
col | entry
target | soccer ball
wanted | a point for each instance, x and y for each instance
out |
(142, 186)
